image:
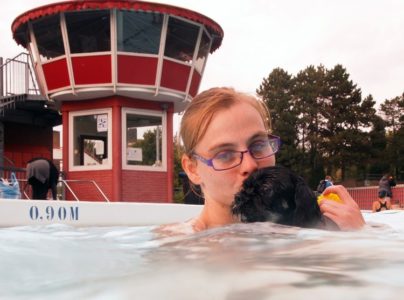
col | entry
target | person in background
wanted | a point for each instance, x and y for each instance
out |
(324, 183)
(385, 185)
(381, 203)
(227, 136)
(328, 181)
(42, 175)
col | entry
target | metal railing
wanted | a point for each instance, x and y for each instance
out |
(17, 80)
(17, 76)
(66, 184)
(24, 186)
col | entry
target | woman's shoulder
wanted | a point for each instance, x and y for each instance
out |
(182, 228)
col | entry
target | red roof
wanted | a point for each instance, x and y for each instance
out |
(75, 5)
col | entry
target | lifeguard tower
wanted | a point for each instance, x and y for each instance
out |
(118, 70)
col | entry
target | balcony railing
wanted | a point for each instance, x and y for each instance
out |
(17, 79)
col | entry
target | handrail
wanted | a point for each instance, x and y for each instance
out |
(81, 180)
(17, 76)
(65, 182)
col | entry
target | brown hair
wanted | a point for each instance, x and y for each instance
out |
(201, 110)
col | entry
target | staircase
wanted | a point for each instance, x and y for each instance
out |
(17, 82)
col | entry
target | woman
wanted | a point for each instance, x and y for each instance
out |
(382, 203)
(226, 136)
(385, 185)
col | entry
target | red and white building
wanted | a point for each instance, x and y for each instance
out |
(118, 70)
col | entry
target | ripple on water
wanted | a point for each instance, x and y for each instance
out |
(240, 261)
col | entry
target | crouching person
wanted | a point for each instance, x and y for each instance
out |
(42, 175)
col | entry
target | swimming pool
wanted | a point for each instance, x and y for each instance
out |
(240, 261)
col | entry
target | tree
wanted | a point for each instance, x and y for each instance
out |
(345, 115)
(178, 151)
(393, 114)
(322, 120)
(150, 153)
(307, 94)
(377, 147)
(275, 91)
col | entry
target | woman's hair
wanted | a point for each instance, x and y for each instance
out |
(201, 110)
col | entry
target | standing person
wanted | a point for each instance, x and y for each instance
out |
(42, 175)
(227, 136)
(385, 184)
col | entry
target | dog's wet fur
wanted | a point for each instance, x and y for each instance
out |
(278, 195)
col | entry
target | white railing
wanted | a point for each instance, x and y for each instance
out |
(17, 76)
(65, 186)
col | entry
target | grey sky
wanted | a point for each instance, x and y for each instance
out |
(365, 36)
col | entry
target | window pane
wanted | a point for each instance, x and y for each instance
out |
(203, 52)
(49, 37)
(90, 140)
(144, 140)
(139, 31)
(181, 40)
(89, 31)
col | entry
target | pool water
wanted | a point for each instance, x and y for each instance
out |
(240, 261)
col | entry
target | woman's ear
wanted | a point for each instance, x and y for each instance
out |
(189, 166)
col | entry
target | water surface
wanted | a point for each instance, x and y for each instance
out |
(240, 261)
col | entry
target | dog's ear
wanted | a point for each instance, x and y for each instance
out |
(307, 213)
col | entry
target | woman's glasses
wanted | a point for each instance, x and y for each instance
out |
(229, 159)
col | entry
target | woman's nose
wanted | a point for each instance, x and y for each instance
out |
(249, 164)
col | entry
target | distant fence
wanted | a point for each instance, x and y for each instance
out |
(365, 196)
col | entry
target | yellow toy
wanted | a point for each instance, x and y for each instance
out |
(330, 196)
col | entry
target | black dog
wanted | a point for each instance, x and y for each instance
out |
(278, 195)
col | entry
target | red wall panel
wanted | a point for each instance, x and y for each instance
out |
(137, 70)
(85, 190)
(37, 142)
(142, 186)
(175, 75)
(56, 74)
(195, 81)
(92, 69)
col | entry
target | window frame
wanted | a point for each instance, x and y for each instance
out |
(120, 16)
(72, 35)
(145, 112)
(72, 115)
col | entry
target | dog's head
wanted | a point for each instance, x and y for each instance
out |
(278, 195)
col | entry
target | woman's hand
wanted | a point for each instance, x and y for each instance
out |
(346, 215)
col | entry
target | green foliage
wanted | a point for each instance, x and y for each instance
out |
(393, 114)
(178, 191)
(276, 92)
(327, 127)
(148, 146)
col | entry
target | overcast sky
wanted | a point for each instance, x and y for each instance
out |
(365, 36)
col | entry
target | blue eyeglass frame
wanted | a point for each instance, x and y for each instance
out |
(209, 162)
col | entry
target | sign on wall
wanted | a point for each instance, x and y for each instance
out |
(102, 123)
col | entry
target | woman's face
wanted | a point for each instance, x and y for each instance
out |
(234, 129)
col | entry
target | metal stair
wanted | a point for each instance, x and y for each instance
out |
(17, 81)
